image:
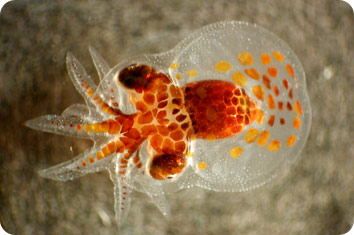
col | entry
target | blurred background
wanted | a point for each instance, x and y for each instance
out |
(316, 196)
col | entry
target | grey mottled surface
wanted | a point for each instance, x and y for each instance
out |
(315, 197)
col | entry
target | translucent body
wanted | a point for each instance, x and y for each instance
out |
(225, 110)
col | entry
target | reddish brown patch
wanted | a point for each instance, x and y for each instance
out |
(282, 121)
(163, 130)
(180, 146)
(162, 104)
(167, 146)
(148, 130)
(156, 141)
(141, 106)
(215, 112)
(286, 83)
(280, 105)
(288, 106)
(133, 133)
(266, 81)
(177, 135)
(291, 93)
(276, 90)
(145, 118)
(271, 120)
(162, 96)
(175, 92)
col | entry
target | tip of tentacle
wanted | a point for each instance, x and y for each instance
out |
(32, 123)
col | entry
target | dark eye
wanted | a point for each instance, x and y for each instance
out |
(136, 76)
(167, 165)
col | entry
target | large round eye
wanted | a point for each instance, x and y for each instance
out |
(136, 76)
(167, 165)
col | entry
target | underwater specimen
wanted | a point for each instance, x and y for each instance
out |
(224, 110)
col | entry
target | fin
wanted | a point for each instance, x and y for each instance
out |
(82, 82)
(83, 164)
(100, 64)
(121, 192)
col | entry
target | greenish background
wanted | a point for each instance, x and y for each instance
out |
(316, 196)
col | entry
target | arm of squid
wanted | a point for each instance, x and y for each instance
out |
(121, 191)
(83, 164)
(61, 125)
(65, 125)
(81, 81)
(100, 64)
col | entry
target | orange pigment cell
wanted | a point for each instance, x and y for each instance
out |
(236, 152)
(263, 138)
(272, 71)
(290, 70)
(297, 107)
(239, 78)
(297, 123)
(291, 140)
(258, 92)
(223, 66)
(285, 83)
(278, 56)
(141, 106)
(271, 120)
(266, 81)
(245, 58)
(291, 93)
(259, 116)
(175, 91)
(114, 127)
(99, 155)
(218, 109)
(91, 160)
(253, 73)
(192, 73)
(265, 58)
(274, 146)
(251, 135)
(288, 106)
(280, 105)
(163, 130)
(276, 90)
(271, 104)
(145, 118)
(156, 141)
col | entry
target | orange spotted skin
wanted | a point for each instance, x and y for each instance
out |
(169, 117)
(218, 109)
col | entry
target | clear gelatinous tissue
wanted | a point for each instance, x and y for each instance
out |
(225, 110)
